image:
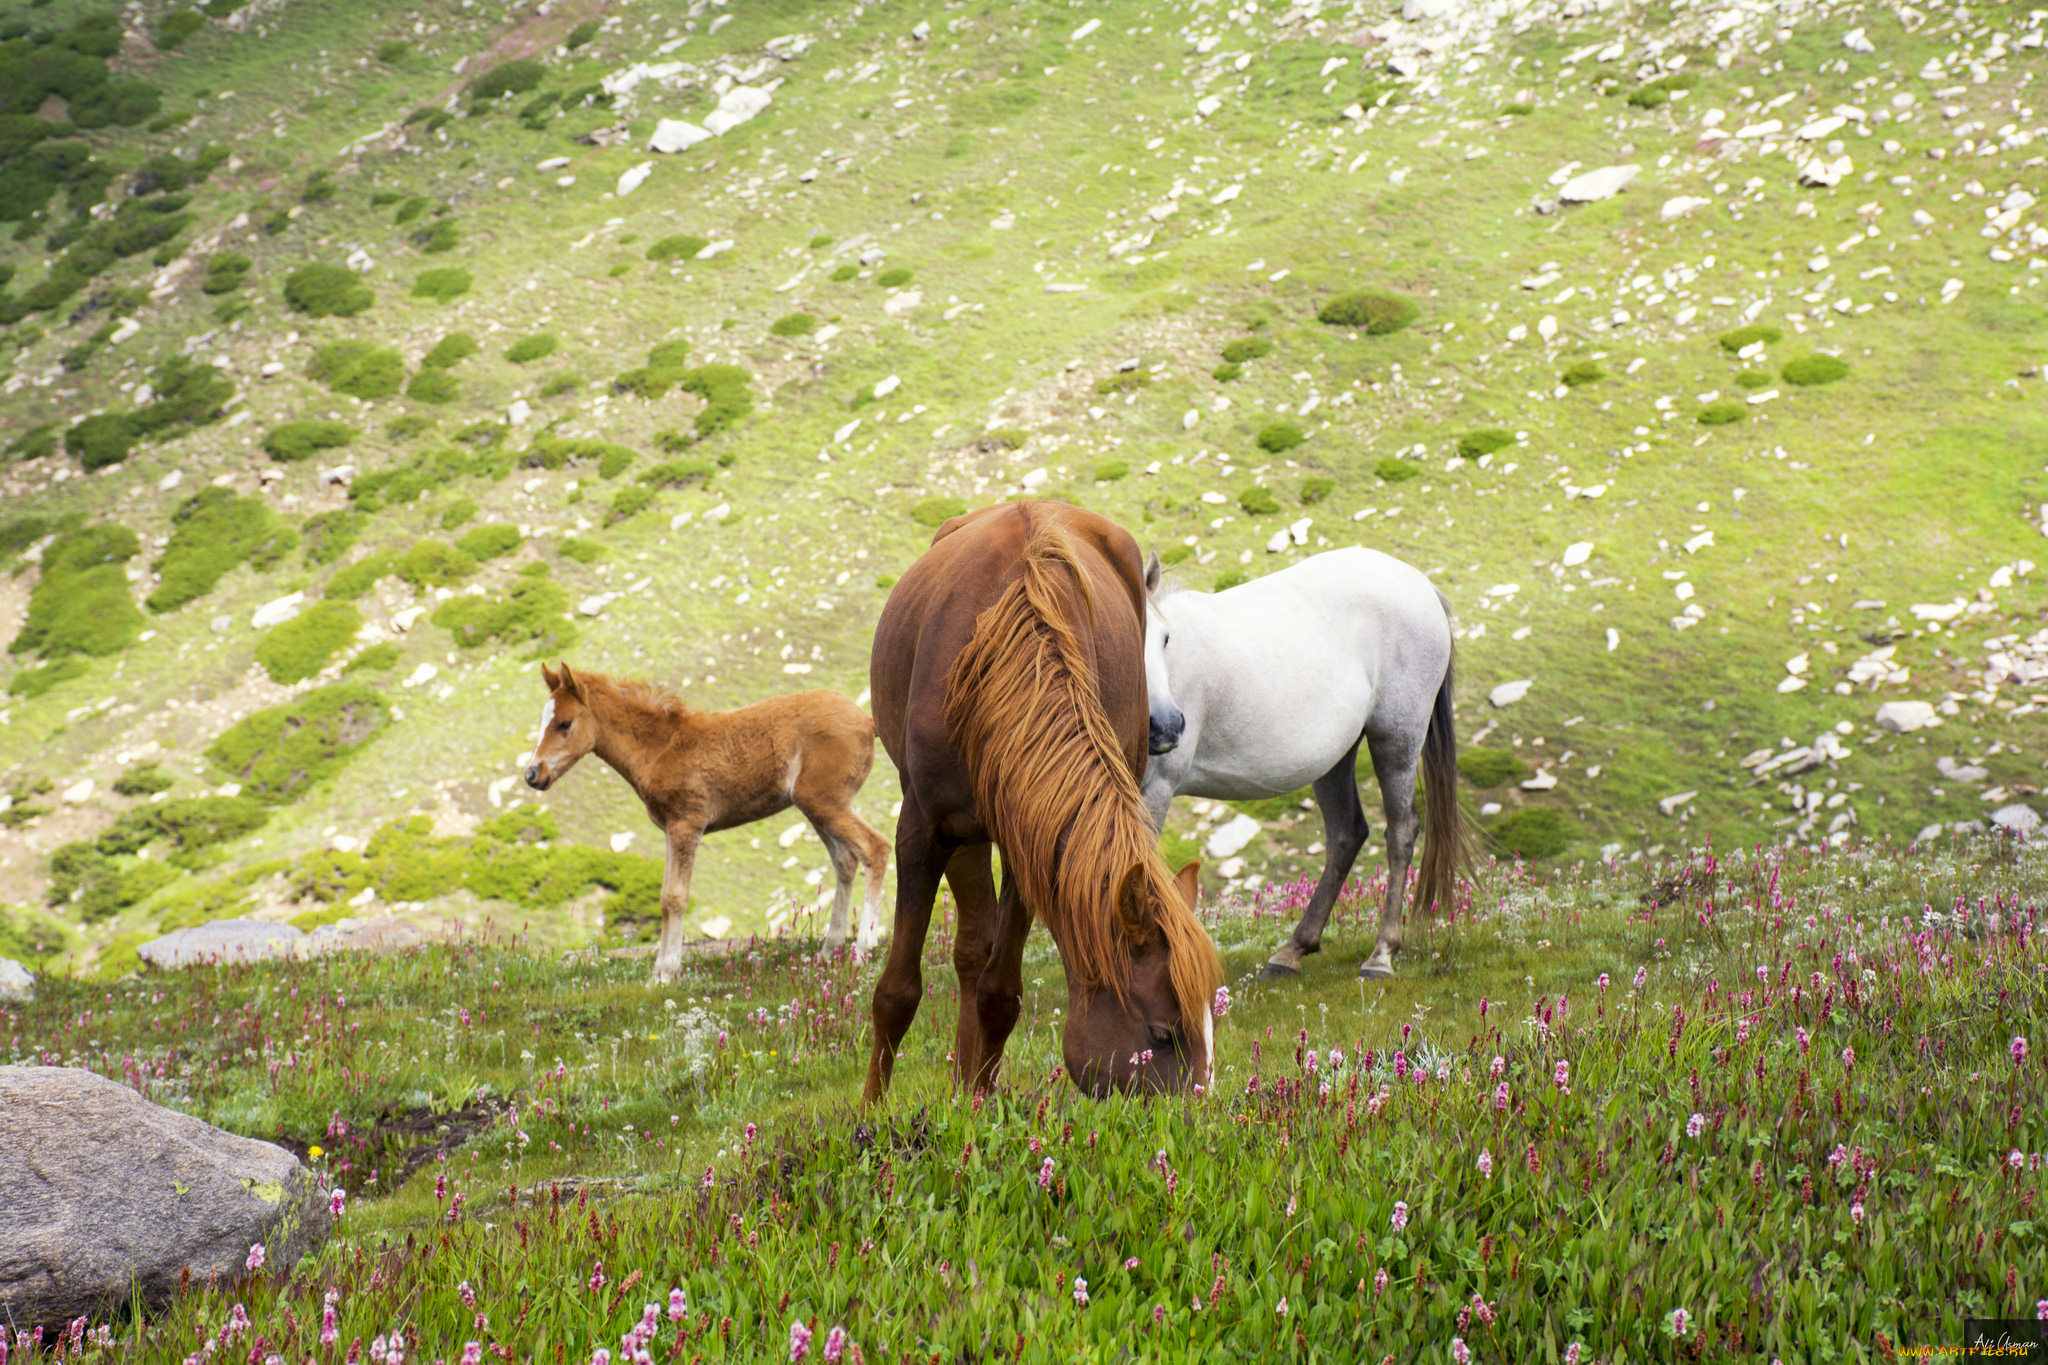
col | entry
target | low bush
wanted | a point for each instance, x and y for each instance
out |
(433, 564)
(1815, 369)
(1315, 489)
(433, 386)
(358, 369)
(1226, 372)
(515, 77)
(1474, 444)
(1229, 579)
(561, 452)
(532, 613)
(299, 648)
(32, 937)
(35, 682)
(1276, 437)
(1241, 349)
(488, 542)
(1752, 378)
(559, 385)
(35, 443)
(327, 536)
(354, 580)
(1375, 311)
(95, 888)
(793, 325)
(667, 364)
(1741, 337)
(725, 393)
(459, 513)
(212, 534)
(936, 511)
(1109, 471)
(1126, 381)
(1490, 767)
(1723, 413)
(680, 246)
(277, 754)
(144, 779)
(435, 469)
(628, 503)
(410, 210)
(582, 34)
(393, 50)
(845, 273)
(81, 603)
(102, 439)
(442, 283)
(189, 826)
(1532, 832)
(1397, 471)
(174, 28)
(327, 291)
(894, 278)
(1580, 373)
(376, 658)
(442, 237)
(678, 474)
(224, 272)
(536, 347)
(581, 551)
(1258, 502)
(302, 439)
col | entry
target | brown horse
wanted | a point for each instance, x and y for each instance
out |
(1009, 689)
(698, 771)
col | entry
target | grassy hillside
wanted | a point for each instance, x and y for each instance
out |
(374, 304)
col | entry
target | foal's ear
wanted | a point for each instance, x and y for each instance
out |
(1189, 880)
(550, 677)
(1152, 573)
(570, 682)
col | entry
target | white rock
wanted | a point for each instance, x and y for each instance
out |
(78, 792)
(1820, 128)
(1415, 11)
(1593, 186)
(1670, 804)
(518, 411)
(903, 301)
(715, 927)
(1857, 41)
(1276, 542)
(1190, 419)
(735, 107)
(170, 481)
(677, 135)
(1085, 30)
(128, 328)
(1613, 639)
(2017, 818)
(620, 842)
(1229, 839)
(277, 611)
(717, 248)
(17, 983)
(1904, 717)
(1577, 553)
(1541, 782)
(1820, 173)
(1299, 530)
(788, 837)
(921, 32)
(1003, 221)
(553, 163)
(1508, 693)
(406, 618)
(1208, 105)
(634, 178)
(885, 387)
(1792, 684)
(421, 676)
(1681, 206)
(1036, 479)
(1226, 194)
(595, 604)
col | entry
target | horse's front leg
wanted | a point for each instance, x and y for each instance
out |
(675, 900)
(920, 860)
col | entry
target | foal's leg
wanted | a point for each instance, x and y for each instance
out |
(1344, 833)
(675, 901)
(1394, 758)
(843, 866)
(854, 842)
(919, 861)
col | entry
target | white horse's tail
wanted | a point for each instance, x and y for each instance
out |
(1446, 843)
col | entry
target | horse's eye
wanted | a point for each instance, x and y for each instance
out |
(563, 727)
(1161, 1037)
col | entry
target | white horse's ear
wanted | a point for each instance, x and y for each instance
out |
(1152, 574)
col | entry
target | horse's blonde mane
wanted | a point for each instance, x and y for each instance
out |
(1055, 788)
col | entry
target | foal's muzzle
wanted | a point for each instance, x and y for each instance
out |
(536, 780)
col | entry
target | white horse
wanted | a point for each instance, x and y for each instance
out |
(1270, 686)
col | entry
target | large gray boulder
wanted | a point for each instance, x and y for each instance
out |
(103, 1193)
(224, 940)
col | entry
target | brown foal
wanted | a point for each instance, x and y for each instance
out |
(699, 771)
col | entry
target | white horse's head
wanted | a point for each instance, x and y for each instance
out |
(1167, 722)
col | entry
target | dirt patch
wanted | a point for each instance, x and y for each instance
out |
(393, 1145)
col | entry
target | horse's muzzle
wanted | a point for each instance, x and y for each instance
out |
(536, 780)
(1164, 732)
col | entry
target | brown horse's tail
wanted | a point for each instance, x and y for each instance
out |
(1446, 843)
(1054, 786)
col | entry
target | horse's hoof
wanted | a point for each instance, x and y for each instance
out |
(1368, 972)
(1276, 971)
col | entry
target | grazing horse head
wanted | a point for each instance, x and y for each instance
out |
(568, 730)
(1134, 1036)
(1167, 722)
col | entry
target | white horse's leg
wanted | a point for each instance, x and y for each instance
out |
(675, 903)
(1394, 759)
(1344, 833)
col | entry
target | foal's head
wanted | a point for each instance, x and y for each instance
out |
(567, 729)
(1167, 722)
(1152, 1038)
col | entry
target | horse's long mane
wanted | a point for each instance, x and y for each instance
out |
(1054, 786)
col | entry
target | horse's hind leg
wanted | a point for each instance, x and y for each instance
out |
(1394, 758)
(900, 990)
(1344, 834)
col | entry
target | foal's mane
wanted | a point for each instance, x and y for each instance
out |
(651, 712)
(1054, 786)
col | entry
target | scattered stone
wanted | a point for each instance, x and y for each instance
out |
(359, 935)
(1670, 804)
(1508, 693)
(1904, 717)
(1227, 840)
(736, 106)
(78, 793)
(2017, 819)
(620, 842)
(223, 941)
(1678, 208)
(1593, 186)
(17, 983)
(104, 1195)
(277, 611)
(634, 178)
(1577, 553)
(677, 135)
(1857, 41)
(421, 676)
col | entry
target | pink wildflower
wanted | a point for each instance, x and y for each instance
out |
(597, 1279)
(337, 1202)
(600, 1357)
(330, 1331)
(1678, 1322)
(2019, 1049)
(835, 1345)
(1486, 1164)
(1280, 1308)
(1045, 1174)
(799, 1341)
(710, 1178)
(1080, 1292)
(678, 1305)
(2016, 1159)
(1221, 1005)
(1500, 1097)
(1131, 1264)
(1856, 1212)
(472, 1353)
(1573, 1352)
(1696, 1125)
(1400, 1066)
(1561, 1076)
(1848, 1059)
(1642, 975)
(255, 1261)
(1400, 1219)
(466, 1294)
(1460, 1352)
(1379, 1281)
(1500, 1065)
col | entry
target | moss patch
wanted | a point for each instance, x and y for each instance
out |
(212, 534)
(81, 604)
(277, 754)
(442, 283)
(327, 536)
(357, 369)
(299, 648)
(327, 291)
(300, 440)
(488, 542)
(936, 511)
(1376, 312)
(532, 612)
(1533, 832)
(1490, 767)
(1815, 369)
(536, 347)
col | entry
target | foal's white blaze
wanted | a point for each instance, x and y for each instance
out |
(547, 718)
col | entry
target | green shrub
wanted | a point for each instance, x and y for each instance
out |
(1532, 832)
(1815, 369)
(1229, 579)
(224, 272)
(1582, 372)
(680, 246)
(1258, 502)
(1124, 382)
(433, 386)
(277, 754)
(327, 536)
(213, 533)
(34, 444)
(1752, 379)
(358, 578)
(819, 242)
(559, 385)
(81, 603)
(441, 237)
(376, 658)
(442, 283)
(581, 34)
(1397, 471)
(144, 779)
(31, 683)
(411, 209)
(1004, 438)
(488, 542)
(102, 439)
(1376, 311)
(299, 648)
(1490, 767)
(937, 511)
(327, 291)
(1734, 341)
(665, 368)
(628, 502)
(1246, 348)
(536, 347)
(793, 325)
(560, 452)
(1279, 436)
(459, 513)
(407, 426)
(678, 474)
(1517, 109)
(123, 102)
(1723, 413)
(725, 393)
(1176, 554)
(845, 273)
(358, 369)
(582, 551)
(301, 440)
(1226, 372)
(533, 612)
(1109, 471)
(1474, 444)
(615, 462)
(435, 469)
(434, 564)
(515, 77)
(894, 278)
(174, 28)
(188, 394)
(95, 887)
(393, 50)
(1315, 489)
